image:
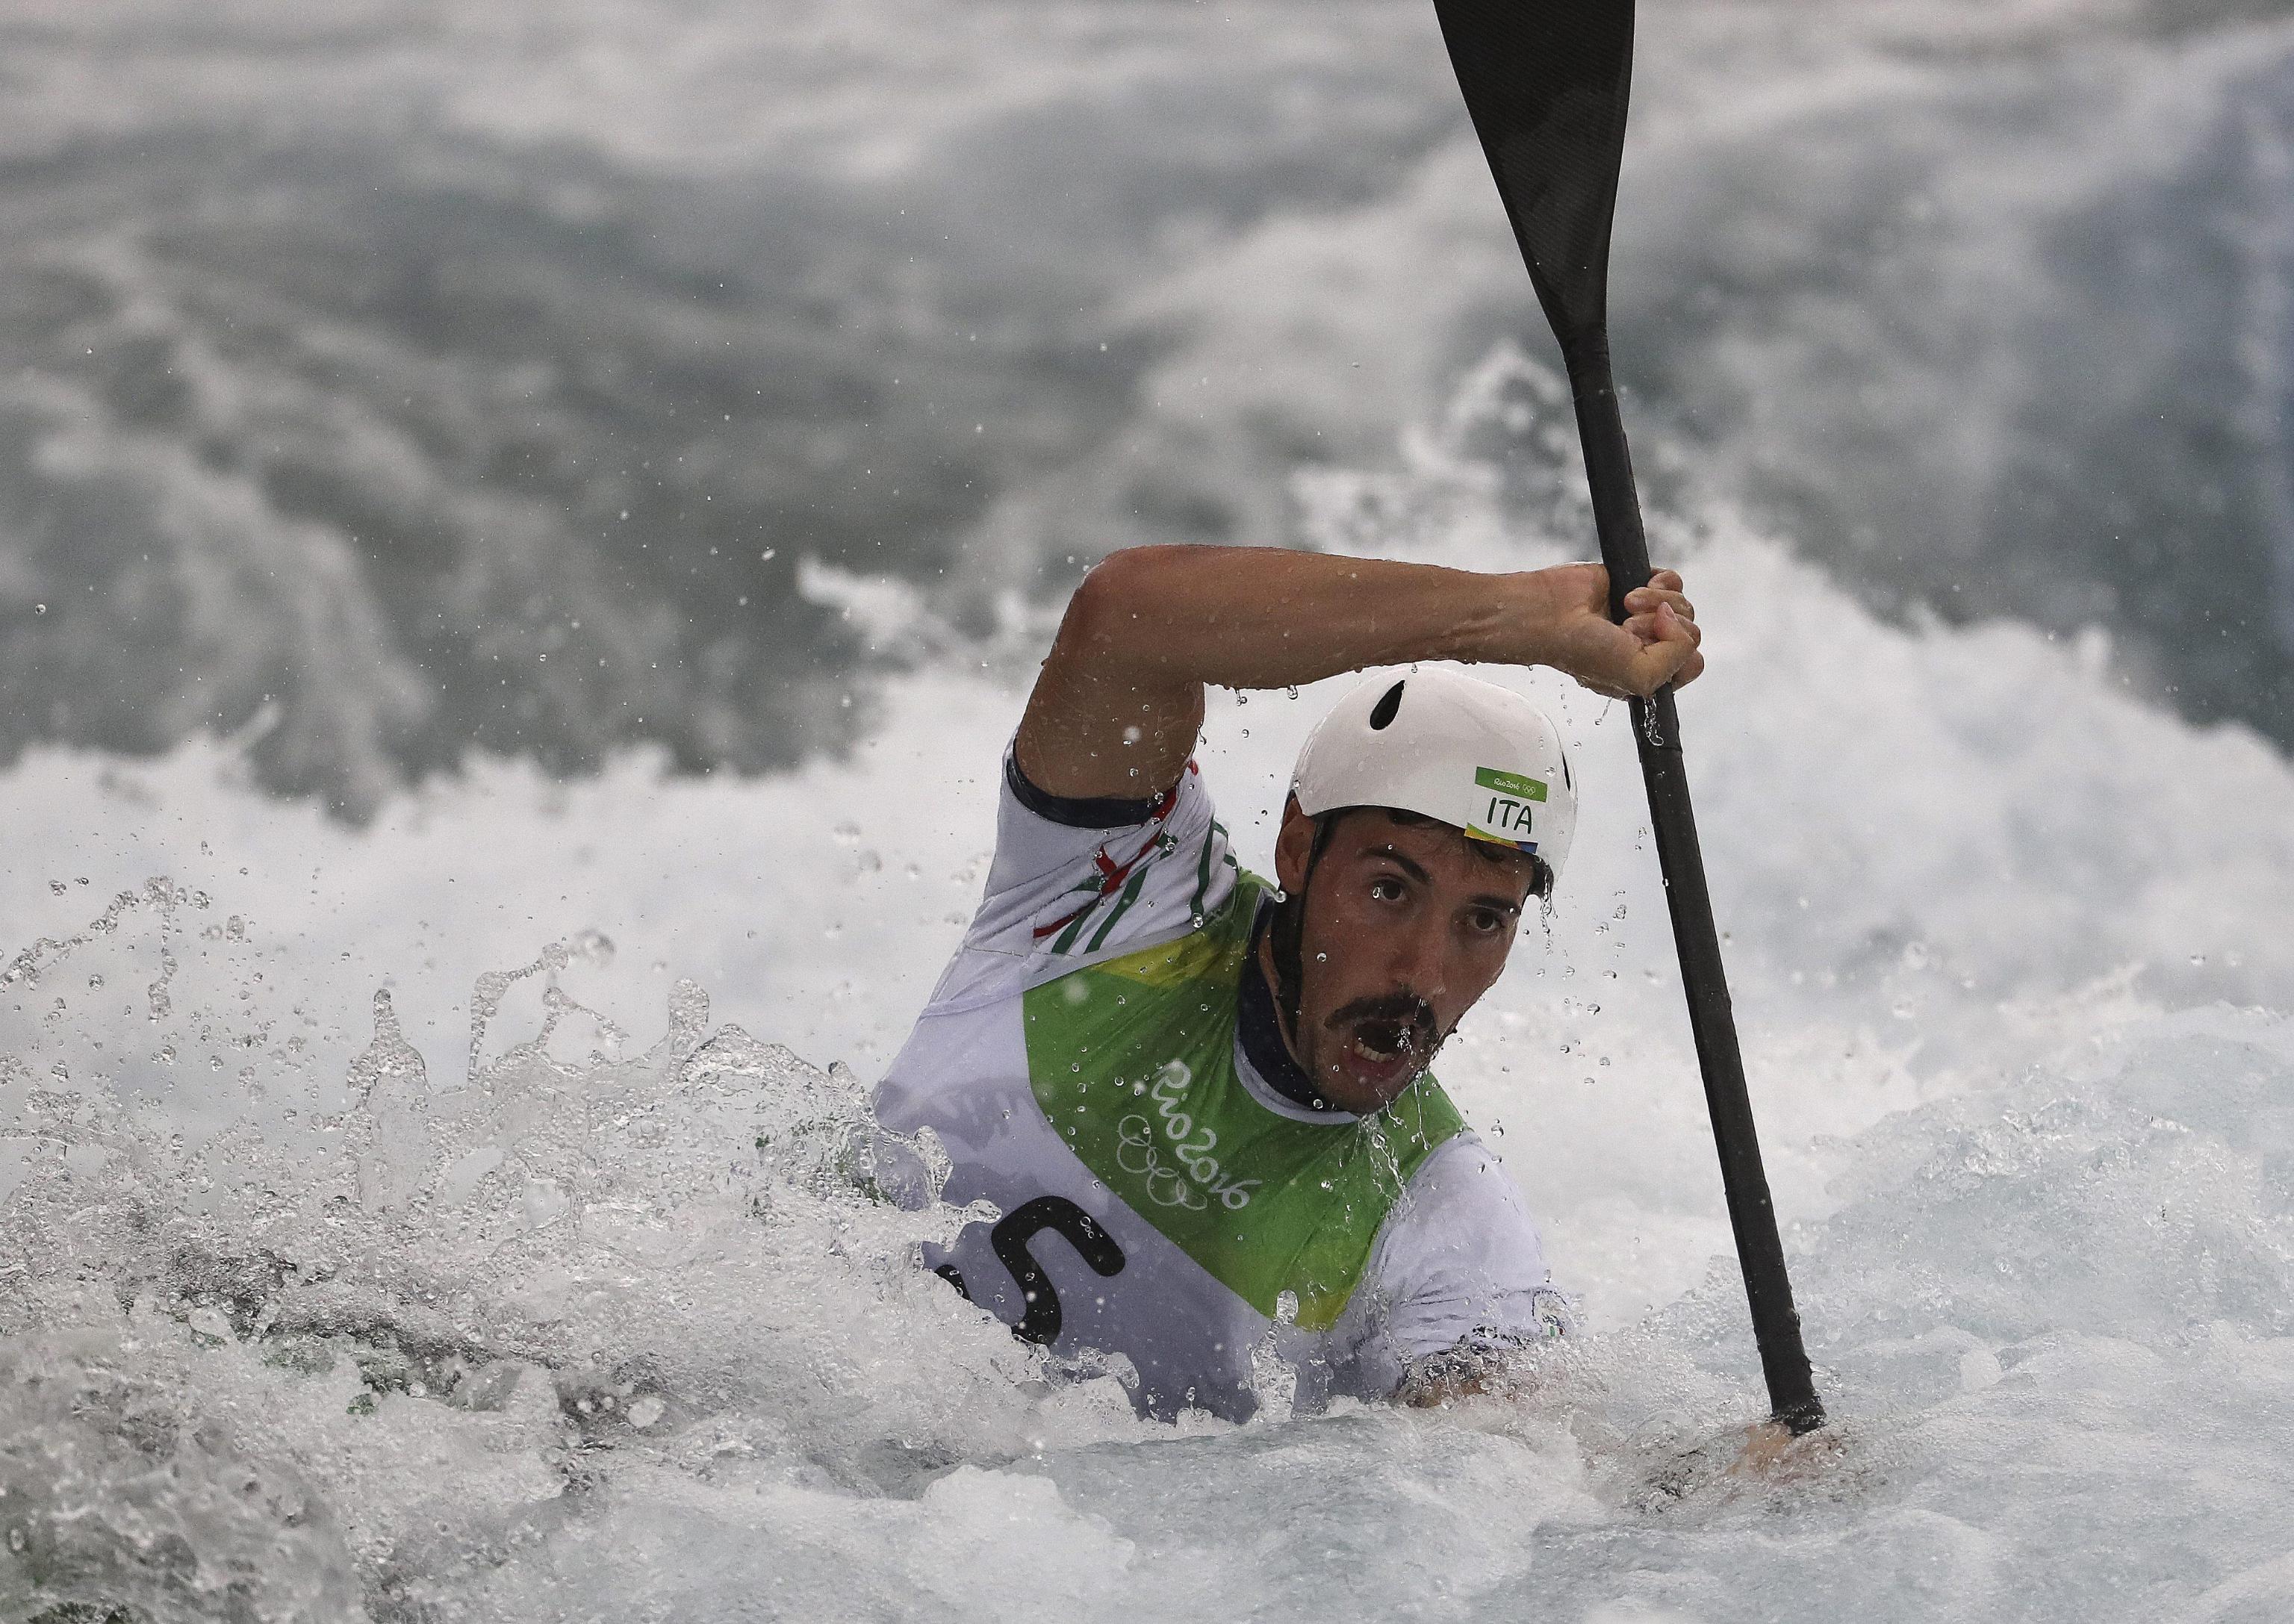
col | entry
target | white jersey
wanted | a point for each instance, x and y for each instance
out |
(1176, 1215)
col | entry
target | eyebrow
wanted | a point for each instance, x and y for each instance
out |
(1408, 866)
(1487, 899)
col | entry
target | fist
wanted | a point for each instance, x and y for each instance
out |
(1656, 644)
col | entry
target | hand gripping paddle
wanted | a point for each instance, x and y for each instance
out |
(1546, 83)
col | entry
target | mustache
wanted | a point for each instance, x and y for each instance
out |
(1390, 1021)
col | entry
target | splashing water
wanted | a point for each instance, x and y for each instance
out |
(612, 1327)
(316, 1303)
(370, 1358)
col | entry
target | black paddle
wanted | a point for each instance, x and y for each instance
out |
(1546, 83)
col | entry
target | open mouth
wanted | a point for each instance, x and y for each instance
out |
(1382, 1042)
(1383, 1039)
(1381, 1049)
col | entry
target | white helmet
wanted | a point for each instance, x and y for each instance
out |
(1451, 747)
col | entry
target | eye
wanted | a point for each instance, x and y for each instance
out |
(1487, 921)
(1385, 888)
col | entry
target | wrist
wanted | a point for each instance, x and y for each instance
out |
(1528, 611)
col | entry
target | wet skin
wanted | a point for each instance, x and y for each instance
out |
(1407, 924)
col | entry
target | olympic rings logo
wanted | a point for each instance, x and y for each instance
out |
(1196, 1179)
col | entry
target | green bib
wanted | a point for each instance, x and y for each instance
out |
(1133, 1064)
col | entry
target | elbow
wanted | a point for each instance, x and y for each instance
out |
(1107, 608)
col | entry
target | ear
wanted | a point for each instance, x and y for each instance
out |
(1292, 848)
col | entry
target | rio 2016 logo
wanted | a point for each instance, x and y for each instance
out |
(1135, 1151)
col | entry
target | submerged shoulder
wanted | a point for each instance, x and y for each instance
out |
(1462, 1176)
(1462, 1222)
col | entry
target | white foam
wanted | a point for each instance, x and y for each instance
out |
(2039, 1224)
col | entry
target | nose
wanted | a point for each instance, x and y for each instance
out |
(1415, 959)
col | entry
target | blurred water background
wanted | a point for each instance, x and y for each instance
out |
(354, 357)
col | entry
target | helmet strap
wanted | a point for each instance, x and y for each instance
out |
(1289, 930)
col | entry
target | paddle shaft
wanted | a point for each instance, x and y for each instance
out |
(1547, 83)
(1657, 731)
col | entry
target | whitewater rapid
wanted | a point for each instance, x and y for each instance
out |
(470, 1216)
(388, 379)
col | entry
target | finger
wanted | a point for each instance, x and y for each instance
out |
(1668, 661)
(1689, 632)
(1669, 579)
(1665, 624)
(1668, 653)
(1644, 600)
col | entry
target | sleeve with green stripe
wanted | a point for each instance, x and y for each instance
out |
(1070, 884)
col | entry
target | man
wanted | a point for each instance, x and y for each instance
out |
(1199, 1102)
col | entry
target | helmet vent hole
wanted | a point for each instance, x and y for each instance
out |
(1383, 712)
(1568, 782)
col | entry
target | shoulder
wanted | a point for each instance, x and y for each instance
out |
(1458, 1265)
(1462, 1196)
(1461, 1253)
(1077, 880)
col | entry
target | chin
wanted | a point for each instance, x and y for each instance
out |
(1351, 1091)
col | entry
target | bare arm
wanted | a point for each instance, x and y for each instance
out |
(1117, 707)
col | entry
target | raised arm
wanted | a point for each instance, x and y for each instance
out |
(1117, 707)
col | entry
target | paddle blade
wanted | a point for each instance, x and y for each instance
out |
(1546, 83)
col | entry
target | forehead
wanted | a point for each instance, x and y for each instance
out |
(1443, 851)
